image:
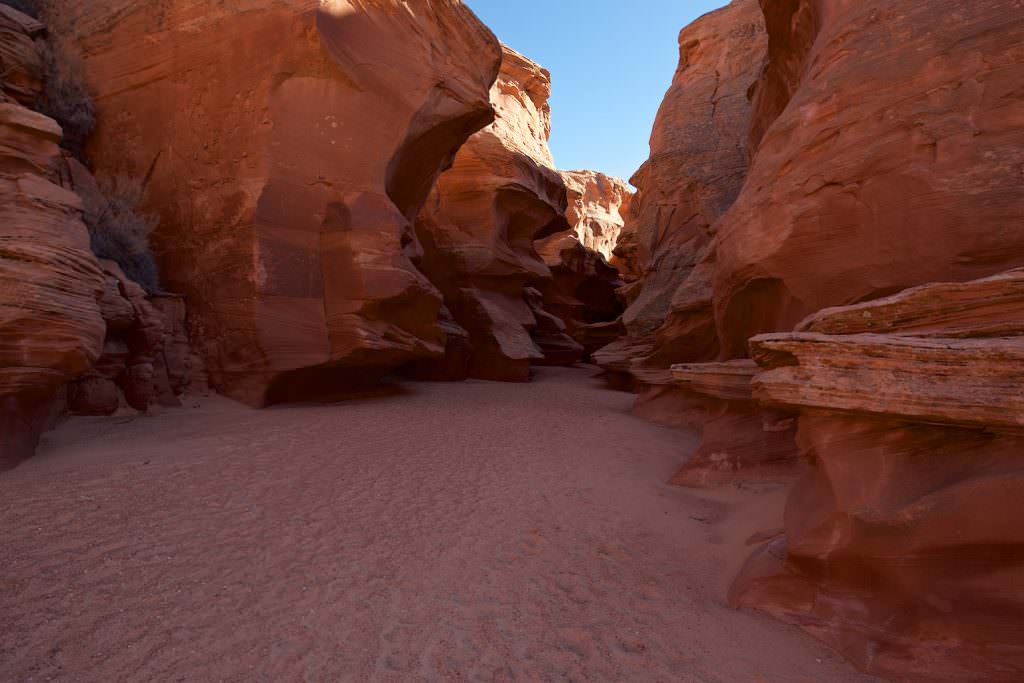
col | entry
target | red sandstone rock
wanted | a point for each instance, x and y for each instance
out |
(626, 258)
(94, 396)
(175, 358)
(50, 325)
(696, 170)
(698, 154)
(981, 308)
(889, 147)
(899, 549)
(582, 288)
(597, 207)
(132, 349)
(287, 148)
(740, 442)
(479, 225)
(550, 334)
(974, 382)
(146, 349)
(21, 68)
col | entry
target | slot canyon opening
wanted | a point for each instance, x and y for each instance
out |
(517, 420)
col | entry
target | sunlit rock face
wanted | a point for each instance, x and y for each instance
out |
(479, 226)
(597, 204)
(287, 149)
(583, 291)
(698, 163)
(888, 153)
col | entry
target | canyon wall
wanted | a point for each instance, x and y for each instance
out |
(287, 150)
(76, 334)
(887, 155)
(585, 290)
(889, 150)
(478, 228)
(51, 328)
(875, 239)
(697, 166)
(901, 548)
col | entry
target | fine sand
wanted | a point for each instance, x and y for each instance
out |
(463, 532)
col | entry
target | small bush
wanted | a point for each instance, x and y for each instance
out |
(121, 233)
(29, 7)
(66, 98)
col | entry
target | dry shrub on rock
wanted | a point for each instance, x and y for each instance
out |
(121, 231)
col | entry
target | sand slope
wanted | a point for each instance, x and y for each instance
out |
(477, 531)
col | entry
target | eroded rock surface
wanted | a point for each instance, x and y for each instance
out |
(51, 330)
(21, 63)
(898, 548)
(582, 291)
(479, 226)
(698, 163)
(889, 150)
(287, 179)
(598, 204)
(740, 441)
(698, 154)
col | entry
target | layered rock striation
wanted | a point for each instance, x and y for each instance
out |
(598, 205)
(899, 547)
(287, 179)
(51, 328)
(741, 441)
(873, 239)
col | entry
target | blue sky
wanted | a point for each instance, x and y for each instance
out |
(611, 62)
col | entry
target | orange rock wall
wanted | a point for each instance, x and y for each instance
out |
(889, 148)
(287, 149)
(479, 226)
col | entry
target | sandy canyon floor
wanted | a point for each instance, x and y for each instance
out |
(476, 531)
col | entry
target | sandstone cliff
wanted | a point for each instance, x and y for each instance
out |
(582, 291)
(479, 226)
(51, 329)
(287, 149)
(888, 154)
(598, 204)
(885, 144)
(697, 166)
